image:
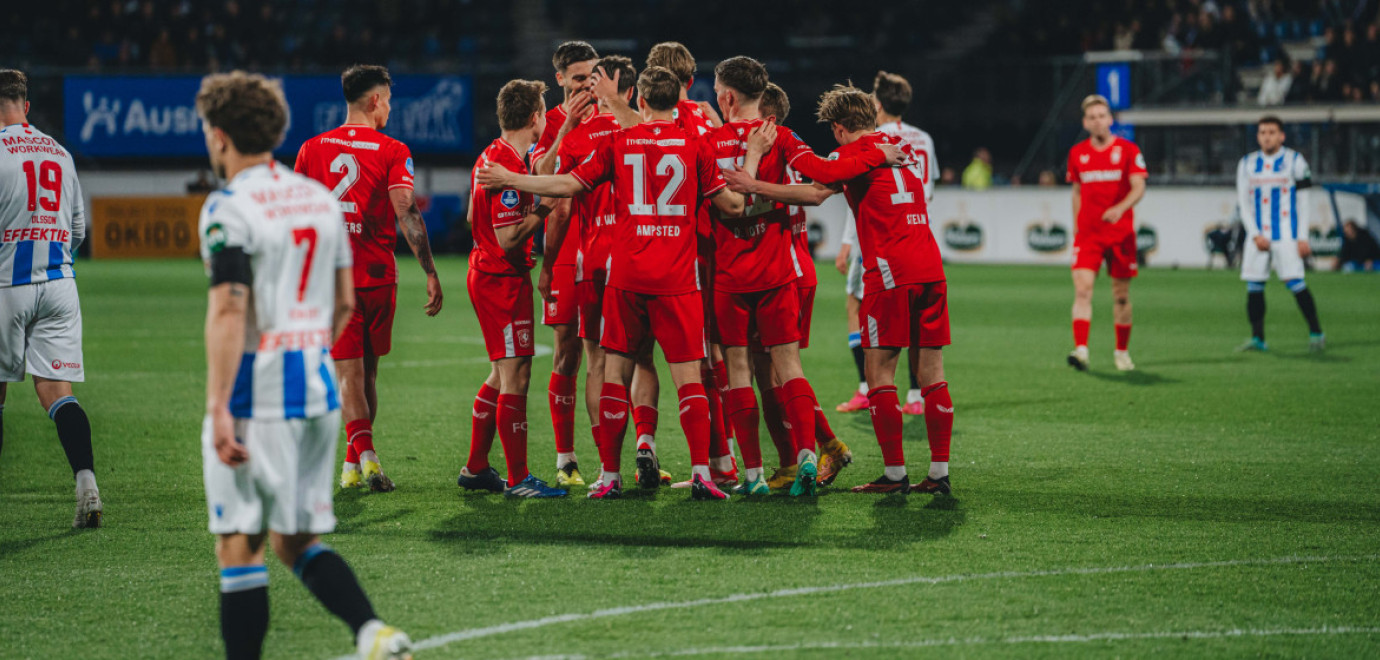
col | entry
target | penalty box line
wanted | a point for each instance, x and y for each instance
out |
(531, 624)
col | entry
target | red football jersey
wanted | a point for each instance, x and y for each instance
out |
(897, 244)
(554, 118)
(800, 235)
(754, 252)
(361, 165)
(659, 176)
(495, 209)
(692, 119)
(592, 213)
(1105, 178)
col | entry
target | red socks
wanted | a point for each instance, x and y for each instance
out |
(1080, 332)
(482, 429)
(351, 456)
(718, 438)
(776, 426)
(644, 420)
(939, 420)
(799, 401)
(741, 407)
(613, 423)
(561, 397)
(886, 421)
(694, 418)
(512, 432)
(1123, 336)
(360, 435)
(720, 381)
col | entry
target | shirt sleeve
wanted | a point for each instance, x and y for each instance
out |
(344, 253)
(1135, 164)
(1303, 184)
(1071, 174)
(1243, 199)
(78, 214)
(222, 226)
(400, 168)
(825, 171)
(300, 165)
(597, 168)
(548, 137)
(711, 178)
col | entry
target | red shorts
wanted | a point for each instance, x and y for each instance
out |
(1090, 249)
(564, 307)
(503, 304)
(633, 320)
(591, 307)
(807, 308)
(370, 331)
(910, 315)
(770, 317)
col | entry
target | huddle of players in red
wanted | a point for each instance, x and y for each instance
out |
(670, 226)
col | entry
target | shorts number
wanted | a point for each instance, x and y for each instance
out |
(669, 165)
(347, 165)
(305, 235)
(47, 177)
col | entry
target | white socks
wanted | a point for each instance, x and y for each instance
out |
(722, 463)
(645, 441)
(895, 472)
(86, 480)
(349, 467)
(914, 396)
(702, 470)
(368, 456)
(862, 388)
(805, 456)
(752, 474)
(564, 457)
(939, 469)
(610, 478)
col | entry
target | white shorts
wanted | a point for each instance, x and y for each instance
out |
(1283, 255)
(287, 483)
(40, 325)
(854, 285)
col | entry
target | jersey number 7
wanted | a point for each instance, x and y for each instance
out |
(305, 235)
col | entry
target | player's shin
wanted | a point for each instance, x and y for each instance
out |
(360, 434)
(1307, 307)
(74, 432)
(483, 425)
(741, 408)
(512, 433)
(798, 400)
(326, 575)
(886, 422)
(645, 420)
(775, 418)
(613, 425)
(561, 397)
(694, 418)
(244, 610)
(939, 426)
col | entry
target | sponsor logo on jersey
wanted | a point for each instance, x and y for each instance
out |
(408, 165)
(215, 237)
(59, 365)
(1047, 238)
(1147, 239)
(966, 237)
(509, 198)
(1324, 240)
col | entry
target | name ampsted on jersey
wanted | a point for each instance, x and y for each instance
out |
(660, 231)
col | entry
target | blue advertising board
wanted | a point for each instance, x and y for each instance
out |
(139, 116)
(1114, 83)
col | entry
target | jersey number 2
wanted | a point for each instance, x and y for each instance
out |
(306, 235)
(48, 176)
(347, 165)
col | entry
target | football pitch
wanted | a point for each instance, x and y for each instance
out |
(1209, 504)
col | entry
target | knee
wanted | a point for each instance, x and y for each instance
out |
(1123, 301)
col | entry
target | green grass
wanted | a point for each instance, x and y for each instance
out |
(1203, 455)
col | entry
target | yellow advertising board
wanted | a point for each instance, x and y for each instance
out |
(125, 227)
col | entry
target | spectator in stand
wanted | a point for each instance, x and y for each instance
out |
(1275, 88)
(163, 54)
(1370, 53)
(1299, 87)
(1047, 179)
(1326, 84)
(1359, 251)
(978, 174)
(947, 176)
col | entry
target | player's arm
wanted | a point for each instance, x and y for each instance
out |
(498, 177)
(1303, 208)
(513, 235)
(606, 88)
(227, 306)
(577, 109)
(710, 113)
(729, 204)
(344, 302)
(1132, 198)
(414, 231)
(78, 215)
(1243, 203)
(825, 171)
(795, 194)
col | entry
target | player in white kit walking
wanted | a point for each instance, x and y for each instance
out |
(42, 221)
(281, 292)
(1272, 191)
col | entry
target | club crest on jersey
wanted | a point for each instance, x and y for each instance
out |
(1116, 155)
(1083, 159)
(509, 198)
(408, 165)
(524, 338)
(215, 237)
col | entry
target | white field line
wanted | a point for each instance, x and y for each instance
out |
(967, 641)
(530, 624)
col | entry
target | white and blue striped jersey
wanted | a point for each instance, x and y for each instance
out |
(1271, 191)
(42, 213)
(293, 231)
